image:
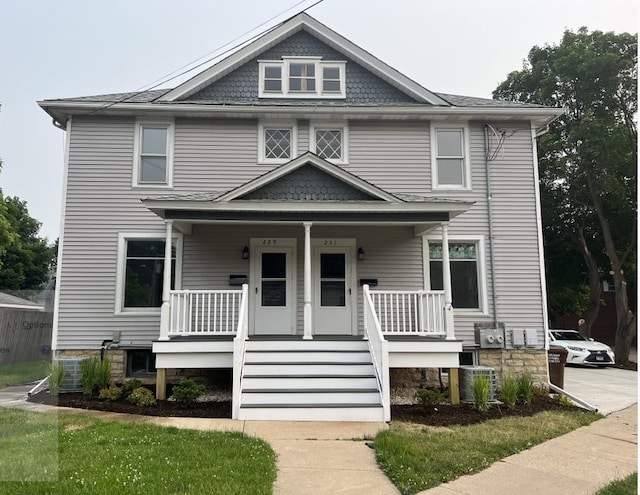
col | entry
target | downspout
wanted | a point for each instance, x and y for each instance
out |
(490, 224)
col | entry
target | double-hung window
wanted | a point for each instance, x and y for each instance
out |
(153, 155)
(141, 271)
(450, 157)
(467, 273)
(302, 77)
(277, 142)
(329, 141)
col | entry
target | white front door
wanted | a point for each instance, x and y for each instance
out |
(272, 288)
(334, 290)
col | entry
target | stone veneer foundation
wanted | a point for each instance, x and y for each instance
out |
(516, 362)
(403, 380)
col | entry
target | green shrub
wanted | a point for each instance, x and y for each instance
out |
(526, 388)
(89, 373)
(429, 398)
(130, 385)
(509, 392)
(103, 373)
(142, 397)
(57, 373)
(481, 390)
(187, 392)
(112, 393)
(565, 401)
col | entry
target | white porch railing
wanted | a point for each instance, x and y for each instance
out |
(379, 349)
(410, 312)
(205, 312)
(239, 347)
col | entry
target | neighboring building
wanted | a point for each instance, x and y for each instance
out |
(298, 195)
(25, 330)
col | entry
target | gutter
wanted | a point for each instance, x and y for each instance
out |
(61, 110)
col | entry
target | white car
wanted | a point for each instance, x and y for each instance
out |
(582, 350)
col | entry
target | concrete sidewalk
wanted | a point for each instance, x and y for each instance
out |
(331, 458)
(579, 462)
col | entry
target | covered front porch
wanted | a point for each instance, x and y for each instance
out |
(328, 297)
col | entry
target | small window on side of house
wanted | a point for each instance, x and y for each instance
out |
(450, 167)
(153, 165)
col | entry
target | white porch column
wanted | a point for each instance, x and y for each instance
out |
(308, 320)
(165, 310)
(446, 281)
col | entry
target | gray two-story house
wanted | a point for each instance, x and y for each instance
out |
(306, 216)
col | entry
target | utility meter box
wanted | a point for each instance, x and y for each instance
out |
(490, 338)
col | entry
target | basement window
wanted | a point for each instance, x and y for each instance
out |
(140, 362)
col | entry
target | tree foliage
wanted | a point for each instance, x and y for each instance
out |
(587, 166)
(26, 259)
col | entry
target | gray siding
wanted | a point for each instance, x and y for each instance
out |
(100, 203)
(241, 86)
(216, 155)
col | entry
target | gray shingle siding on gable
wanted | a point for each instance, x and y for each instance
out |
(241, 86)
(308, 183)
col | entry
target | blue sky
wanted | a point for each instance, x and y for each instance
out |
(79, 47)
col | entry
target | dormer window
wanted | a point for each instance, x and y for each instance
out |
(302, 77)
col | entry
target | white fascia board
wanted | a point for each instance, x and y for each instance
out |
(61, 110)
(372, 63)
(323, 33)
(232, 62)
(303, 206)
(301, 161)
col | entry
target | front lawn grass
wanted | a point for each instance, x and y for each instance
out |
(625, 486)
(69, 454)
(19, 373)
(416, 458)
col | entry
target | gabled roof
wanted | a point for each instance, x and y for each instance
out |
(289, 193)
(288, 28)
(14, 302)
(309, 158)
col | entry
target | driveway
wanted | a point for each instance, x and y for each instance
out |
(608, 389)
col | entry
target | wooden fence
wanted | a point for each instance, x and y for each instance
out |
(25, 335)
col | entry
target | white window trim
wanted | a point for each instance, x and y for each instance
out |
(466, 174)
(342, 126)
(319, 65)
(482, 274)
(283, 124)
(137, 149)
(123, 237)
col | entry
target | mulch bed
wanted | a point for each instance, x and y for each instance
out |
(211, 409)
(445, 415)
(464, 414)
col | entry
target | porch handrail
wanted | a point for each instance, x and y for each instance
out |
(417, 312)
(239, 348)
(204, 312)
(379, 349)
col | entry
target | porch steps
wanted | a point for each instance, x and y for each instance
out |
(309, 381)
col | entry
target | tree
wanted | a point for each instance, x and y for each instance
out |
(25, 258)
(588, 161)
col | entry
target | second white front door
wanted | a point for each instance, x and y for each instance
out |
(273, 287)
(334, 290)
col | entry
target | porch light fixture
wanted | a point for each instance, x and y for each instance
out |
(245, 253)
(361, 255)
